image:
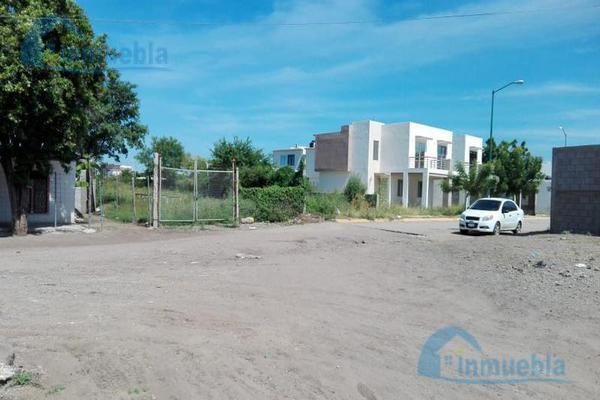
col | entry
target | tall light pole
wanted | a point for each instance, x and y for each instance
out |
(518, 82)
(564, 133)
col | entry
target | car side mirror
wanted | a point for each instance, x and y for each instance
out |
(505, 211)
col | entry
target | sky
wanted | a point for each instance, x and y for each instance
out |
(281, 71)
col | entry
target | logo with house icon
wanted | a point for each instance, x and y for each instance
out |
(452, 354)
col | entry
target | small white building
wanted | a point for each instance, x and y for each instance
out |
(404, 163)
(289, 157)
(51, 197)
(117, 170)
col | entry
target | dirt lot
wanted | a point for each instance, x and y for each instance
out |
(325, 311)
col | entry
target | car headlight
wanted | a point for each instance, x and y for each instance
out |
(487, 218)
(462, 216)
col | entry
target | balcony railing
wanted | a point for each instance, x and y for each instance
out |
(430, 163)
(467, 166)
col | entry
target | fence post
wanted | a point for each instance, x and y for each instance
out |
(89, 193)
(236, 182)
(55, 200)
(234, 192)
(134, 216)
(101, 182)
(156, 192)
(149, 215)
(195, 211)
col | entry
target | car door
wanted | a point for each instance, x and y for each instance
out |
(511, 214)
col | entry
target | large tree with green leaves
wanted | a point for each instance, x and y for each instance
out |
(244, 152)
(55, 86)
(517, 170)
(171, 150)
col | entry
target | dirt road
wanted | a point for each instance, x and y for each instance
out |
(324, 311)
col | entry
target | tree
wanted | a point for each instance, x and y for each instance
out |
(113, 123)
(517, 169)
(243, 151)
(113, 126)
(256, 176)
(170, 149)
(355, 189)
(475, 182)
(52, 73)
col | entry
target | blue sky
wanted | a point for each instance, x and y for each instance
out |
(279, 72)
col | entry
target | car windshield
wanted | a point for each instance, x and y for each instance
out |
(486, 205)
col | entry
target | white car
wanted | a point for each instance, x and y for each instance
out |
(492, 215)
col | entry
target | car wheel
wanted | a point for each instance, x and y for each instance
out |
(518, 229)
(497, 229)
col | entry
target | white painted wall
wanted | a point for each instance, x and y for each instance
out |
(463, 144)
(63, 199)
(309, 171)
(395, 145)
(544, 198)
(332, 181)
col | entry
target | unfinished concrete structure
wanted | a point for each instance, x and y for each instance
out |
(576, 189)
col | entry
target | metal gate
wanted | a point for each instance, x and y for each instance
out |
(192, 195)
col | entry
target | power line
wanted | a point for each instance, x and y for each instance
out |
(473, 14)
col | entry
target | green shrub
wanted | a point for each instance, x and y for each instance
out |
(371, 199)
(274, 203)
(256, 176)
(354, 189)
(326, 205)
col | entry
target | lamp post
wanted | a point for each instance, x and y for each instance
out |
(518, 82)
(564, 133)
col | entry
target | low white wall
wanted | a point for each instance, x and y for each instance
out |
(544, 198)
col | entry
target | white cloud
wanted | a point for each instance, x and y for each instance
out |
(582, 114)
(266, 54)
(556, 88)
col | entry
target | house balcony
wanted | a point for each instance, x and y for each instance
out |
(423, 162)
(467, 166)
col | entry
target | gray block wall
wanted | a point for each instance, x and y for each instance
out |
(576, 189)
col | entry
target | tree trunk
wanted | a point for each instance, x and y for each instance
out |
(17, 194)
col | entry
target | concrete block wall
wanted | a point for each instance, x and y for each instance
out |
(575, 203)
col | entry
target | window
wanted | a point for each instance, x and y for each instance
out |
(282, 161)
(291, 160)
(486, 205)
(38, 196)
(473, 157)
(509, 206)
(420, 189)
(442, 151)
(400, 188)
(420, 150)
(375, 150)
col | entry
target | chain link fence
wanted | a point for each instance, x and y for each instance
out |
(183, 196)
(192, 196)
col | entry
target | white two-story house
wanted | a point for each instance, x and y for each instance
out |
(404, 163)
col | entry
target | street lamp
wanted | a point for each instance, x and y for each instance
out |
(518, 82)
(564, 133)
